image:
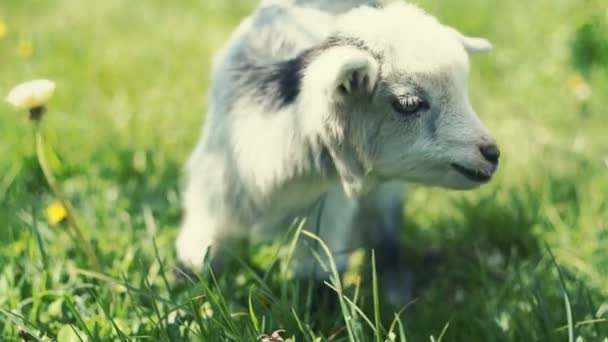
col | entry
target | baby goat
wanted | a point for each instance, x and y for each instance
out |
(322, 109)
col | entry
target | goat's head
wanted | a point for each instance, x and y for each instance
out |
(390, 85)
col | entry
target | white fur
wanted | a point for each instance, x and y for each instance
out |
(256, 168)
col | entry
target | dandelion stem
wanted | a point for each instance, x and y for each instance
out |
(36, 113)
(58, 192)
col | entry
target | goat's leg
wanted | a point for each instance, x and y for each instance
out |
(331, 220)
(195, 240)
(380, 218)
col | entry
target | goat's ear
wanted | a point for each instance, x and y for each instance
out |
(472, 45)
(334, 76)
(343, 71)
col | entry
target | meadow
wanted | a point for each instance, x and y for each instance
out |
(523, 259)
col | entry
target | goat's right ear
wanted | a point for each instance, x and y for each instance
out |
(343, 71)
(472, 45)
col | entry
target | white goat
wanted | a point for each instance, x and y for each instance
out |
(332, 102)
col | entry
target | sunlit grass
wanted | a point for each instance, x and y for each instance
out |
(131, 81)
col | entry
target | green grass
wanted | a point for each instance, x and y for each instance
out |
(525, 259)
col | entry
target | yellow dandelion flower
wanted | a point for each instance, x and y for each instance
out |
(352, 276)
(3, 29)
(56, 213)
(352, 279)
(579, 87)
(25, 49)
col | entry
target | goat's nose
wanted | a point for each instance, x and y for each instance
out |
(490, 152)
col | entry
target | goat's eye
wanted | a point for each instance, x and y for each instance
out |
(410, 105)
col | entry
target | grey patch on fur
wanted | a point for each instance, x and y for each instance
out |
(281, 82)
(278, 85)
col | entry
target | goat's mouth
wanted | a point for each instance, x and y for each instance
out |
(478, 176)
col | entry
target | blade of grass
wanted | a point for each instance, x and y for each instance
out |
(36, 230)
(376, 298)
(198, 320)
(261, 282)
(78, 317)
(254, 318)
(21, 323)
(301, 326)
(162, 268)
(220, 302)
(108, 279)
(9, 179)
(119, 332)
(290, 254)
(357, 309)
(445, 329)
(320, 207)
(543, 314)
(276, 258)
(76, 332)
(397, 321)
(55, 186)
(157, 310)
(356, 297)
(337, 283)
(132, 298)
(593, 322)
(565, 294)
(402, 336)
(591, 308)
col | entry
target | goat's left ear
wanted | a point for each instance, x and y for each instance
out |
(341, 72)
(335, 76)
(472, 45)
